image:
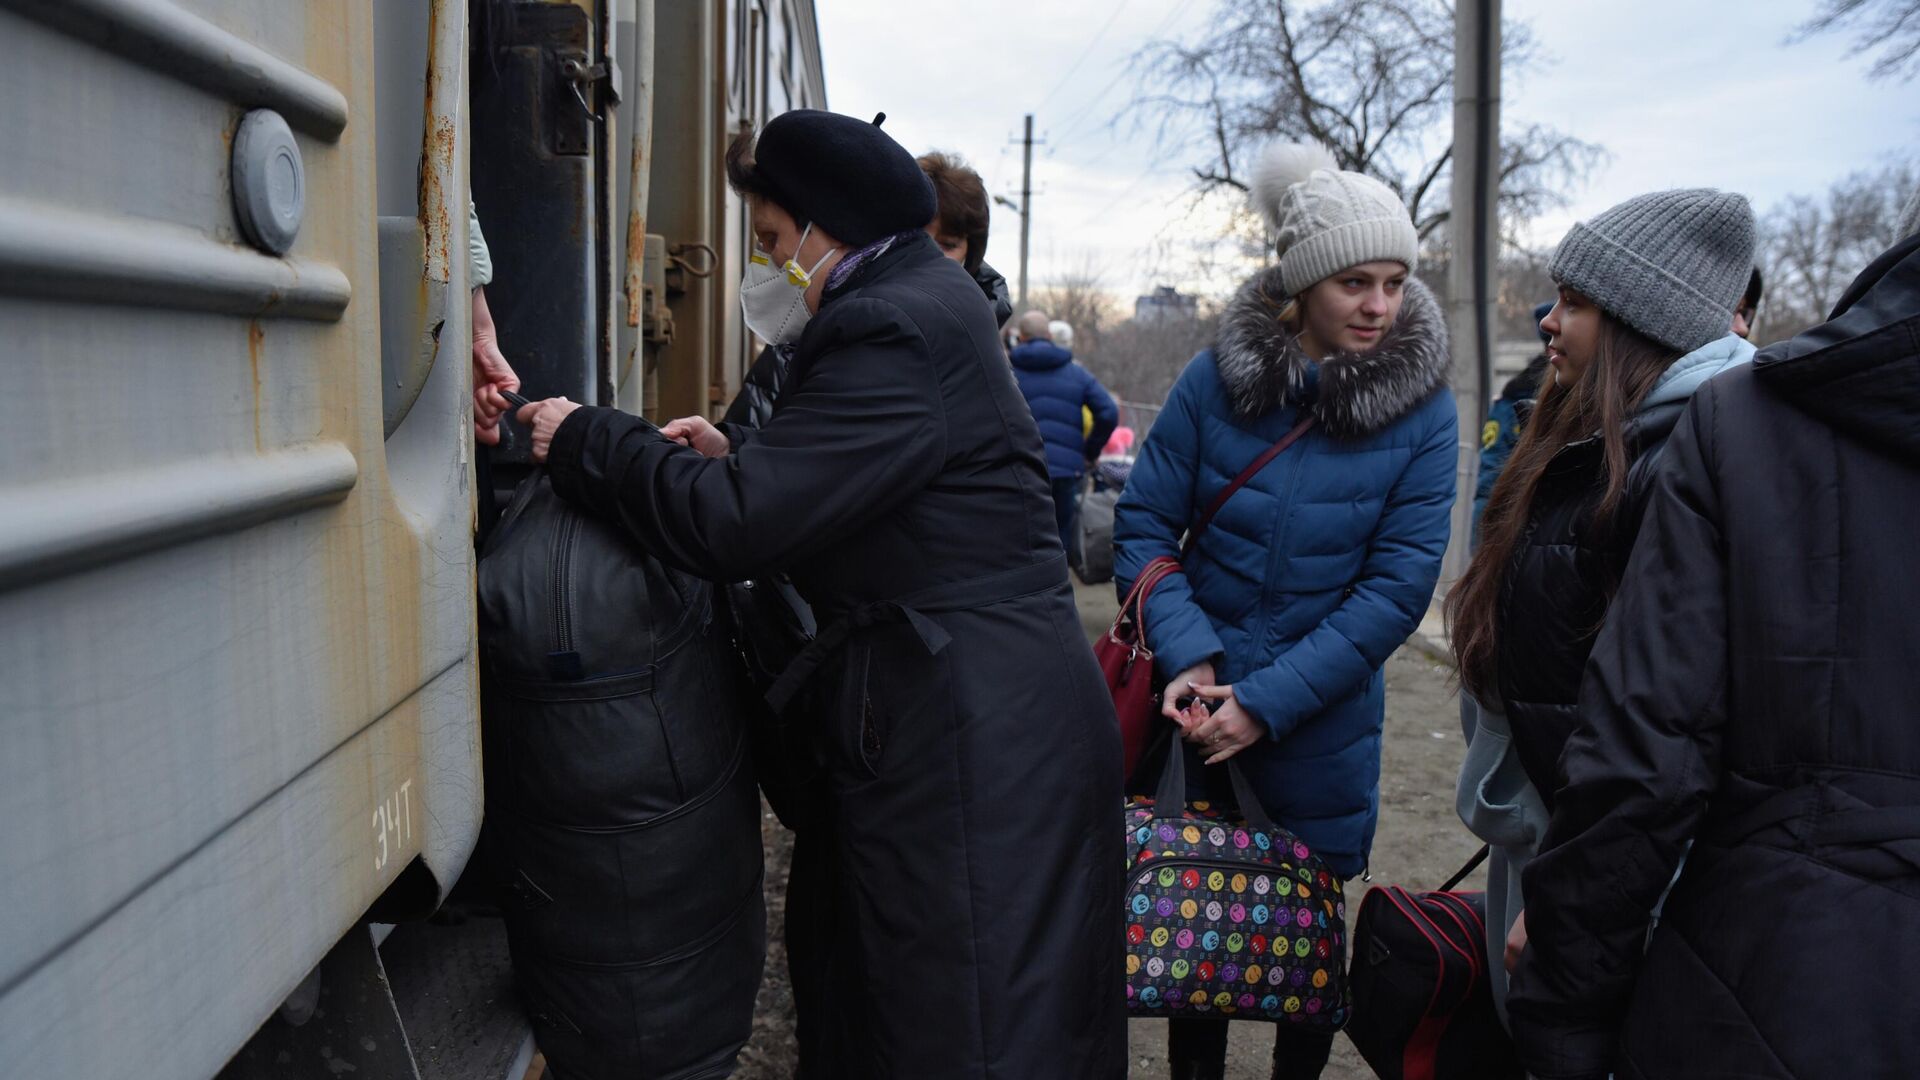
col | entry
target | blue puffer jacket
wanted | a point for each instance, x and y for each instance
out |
(1321, 566)
(1056, 388)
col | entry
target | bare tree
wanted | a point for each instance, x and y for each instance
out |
(1810, 248)
(1139, 359)
(1371, 80)
(1892, 27)
(1079, 296)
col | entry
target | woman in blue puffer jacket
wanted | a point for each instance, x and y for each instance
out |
(1313, 573)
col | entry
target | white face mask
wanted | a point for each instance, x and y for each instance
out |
(774, 302)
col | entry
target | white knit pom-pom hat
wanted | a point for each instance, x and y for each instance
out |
(1325, 220)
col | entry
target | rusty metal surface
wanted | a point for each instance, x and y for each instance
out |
(219, 750)
(713, 74)
(534, 183)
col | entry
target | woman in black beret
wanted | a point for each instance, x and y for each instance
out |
(969, 861)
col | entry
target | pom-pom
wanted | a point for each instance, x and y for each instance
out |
(1282, 166)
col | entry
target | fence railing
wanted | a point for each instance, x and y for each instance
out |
(1139, 417)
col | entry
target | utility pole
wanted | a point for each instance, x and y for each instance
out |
(1474, 227)
(1026, 209)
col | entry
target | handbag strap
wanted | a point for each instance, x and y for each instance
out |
(1155, 571)
(1135, 605)
(1246, 474)
(1172, 789)
(1461, 874)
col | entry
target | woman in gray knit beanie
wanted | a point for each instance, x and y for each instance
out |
(1644, 317)
(1275, 626)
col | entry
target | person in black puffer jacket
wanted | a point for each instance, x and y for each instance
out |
(1647, 292)
(1749, 712)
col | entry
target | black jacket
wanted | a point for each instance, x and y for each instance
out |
(972, 756)
(1754, 693)
(993, 284)
(1554, 597)
(753, 405)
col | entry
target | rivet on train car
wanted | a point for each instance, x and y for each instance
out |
(269, 185)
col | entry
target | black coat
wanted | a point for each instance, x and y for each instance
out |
(1754, 693)
(1554, 597)
(972, 756)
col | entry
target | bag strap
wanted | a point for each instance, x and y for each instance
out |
(1246, 474)
(1461, 874)
(1172, 788)
(1135, 605)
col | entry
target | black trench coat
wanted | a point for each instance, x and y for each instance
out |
(972, 755)
(1754, 694)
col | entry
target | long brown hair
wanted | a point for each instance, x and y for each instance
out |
(1625, 366)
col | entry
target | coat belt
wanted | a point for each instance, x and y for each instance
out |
(913, 609)
(1819, 816)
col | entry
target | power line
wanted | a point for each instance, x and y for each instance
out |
(1084, 53)
(1115, 201)
(1093, 103)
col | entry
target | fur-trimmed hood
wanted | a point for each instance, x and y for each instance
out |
(1261, 362)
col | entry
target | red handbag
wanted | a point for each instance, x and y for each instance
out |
(1124, 657)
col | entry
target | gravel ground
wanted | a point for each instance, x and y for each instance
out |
(1419, 843)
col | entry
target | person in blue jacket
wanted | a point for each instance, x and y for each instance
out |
(1055, 388)
(1311, 575)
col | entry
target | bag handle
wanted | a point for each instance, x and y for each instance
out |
(1461, 874)
(1136, 602)
(1172, 789)
(1246, 474)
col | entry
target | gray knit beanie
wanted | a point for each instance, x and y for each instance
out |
(1670, 264)
(1325, 220)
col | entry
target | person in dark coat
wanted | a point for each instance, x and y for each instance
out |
(1748, 712)
(1312, 574)
(1056, 390)
(970, 747)
(1647, 292)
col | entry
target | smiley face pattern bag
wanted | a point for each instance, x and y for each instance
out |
(1229, 918)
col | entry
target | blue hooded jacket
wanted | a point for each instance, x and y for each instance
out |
(1320, 567)
(1055, 389)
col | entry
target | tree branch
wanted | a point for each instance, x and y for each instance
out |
(1426, 181)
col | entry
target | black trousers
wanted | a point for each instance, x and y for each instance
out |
(1297, 1054)
(812, 899)
(1066, 510)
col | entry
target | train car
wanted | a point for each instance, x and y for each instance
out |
(238, 663)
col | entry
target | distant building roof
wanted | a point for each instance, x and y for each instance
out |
(1165, 302)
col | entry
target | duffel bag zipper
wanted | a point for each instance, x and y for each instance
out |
(1334, 892)
(561, 591)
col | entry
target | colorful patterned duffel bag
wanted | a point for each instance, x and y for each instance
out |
(1229, 918)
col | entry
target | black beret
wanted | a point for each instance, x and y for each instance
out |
(845, 174)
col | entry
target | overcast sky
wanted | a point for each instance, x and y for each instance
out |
(1680, 93)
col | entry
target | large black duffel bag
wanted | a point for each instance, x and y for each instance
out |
(1422, 1002)
(621, 807)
